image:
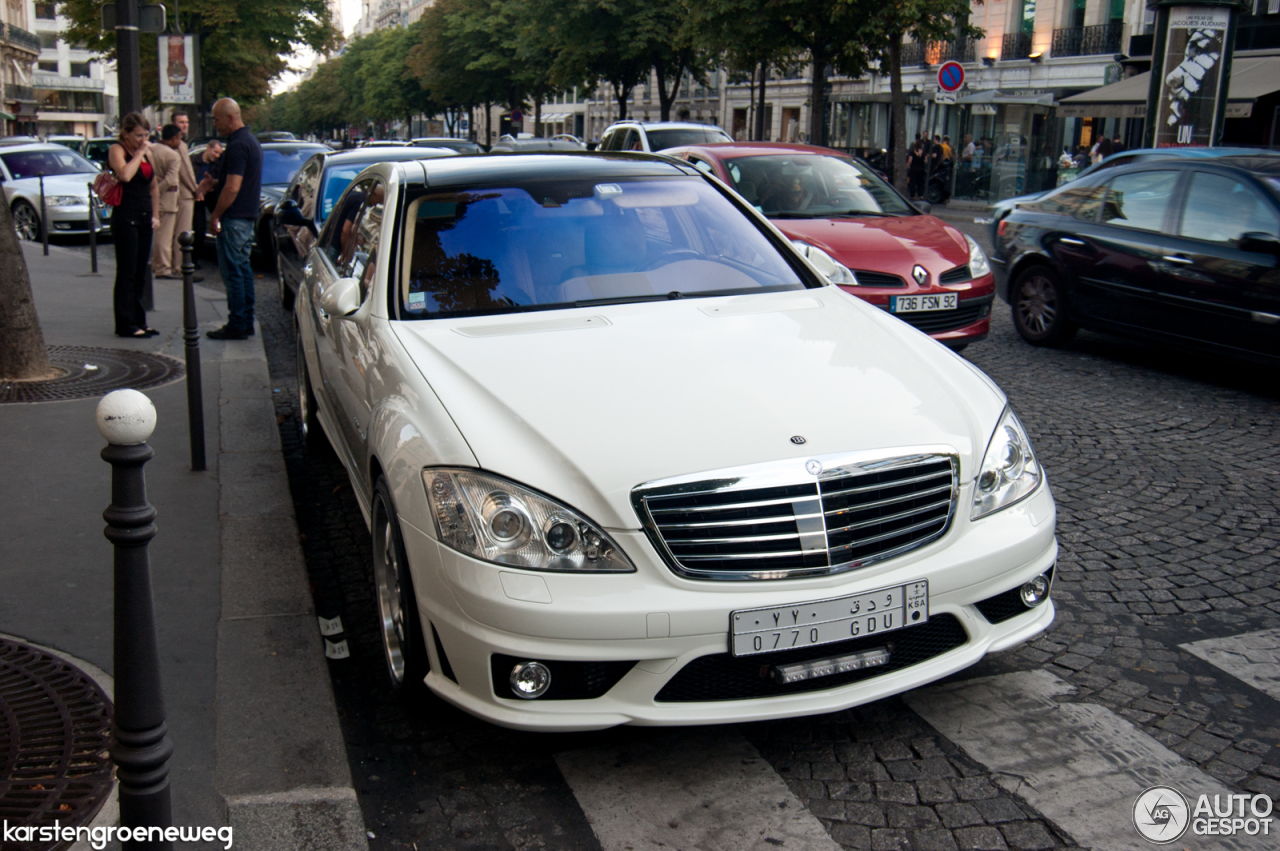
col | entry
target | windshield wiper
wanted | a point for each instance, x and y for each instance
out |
(859, 213)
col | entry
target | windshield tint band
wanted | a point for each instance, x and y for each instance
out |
(556, 243)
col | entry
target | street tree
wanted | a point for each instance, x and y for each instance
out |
(594, 40)
(440, 57)
(22, 353)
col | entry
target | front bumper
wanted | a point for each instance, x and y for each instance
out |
(472, 611)
(76, 219)
(970, 322)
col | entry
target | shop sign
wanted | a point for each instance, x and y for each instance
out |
(1186, 109)
(177, 68)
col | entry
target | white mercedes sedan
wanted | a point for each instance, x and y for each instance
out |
(628, 458)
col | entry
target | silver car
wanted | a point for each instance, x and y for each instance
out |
(67, 176)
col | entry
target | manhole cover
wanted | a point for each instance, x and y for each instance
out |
(55, 729)
(90, 372)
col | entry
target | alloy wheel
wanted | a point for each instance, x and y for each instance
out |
(26, 221)
(304, 408)
(386, 576)
(1038, 303)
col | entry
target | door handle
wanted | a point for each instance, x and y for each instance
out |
(1066, 240)
(1174, 258)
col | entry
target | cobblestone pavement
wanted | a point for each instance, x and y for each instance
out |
(1164, 469)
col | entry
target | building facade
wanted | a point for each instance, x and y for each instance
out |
(19, 50)
(75, 93)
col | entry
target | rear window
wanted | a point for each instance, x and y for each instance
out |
(280, 165)
(660, 140)
(571, 242)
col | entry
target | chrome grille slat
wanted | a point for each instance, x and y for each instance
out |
(778, 521)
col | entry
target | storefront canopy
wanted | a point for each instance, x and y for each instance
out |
(1251, 78)
(7, 116)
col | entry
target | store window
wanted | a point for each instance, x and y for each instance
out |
(46, 11)
(48, 66)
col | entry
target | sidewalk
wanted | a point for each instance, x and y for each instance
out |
(249, 702)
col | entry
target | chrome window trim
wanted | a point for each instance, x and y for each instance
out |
(791, 473)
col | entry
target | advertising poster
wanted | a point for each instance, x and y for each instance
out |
(177, 69)
(1188, 101)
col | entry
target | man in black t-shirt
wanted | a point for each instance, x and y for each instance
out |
(238, 187)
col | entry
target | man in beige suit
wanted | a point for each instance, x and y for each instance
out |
(187, 188)
(168, 167)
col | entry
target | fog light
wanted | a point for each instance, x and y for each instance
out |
(530, 680)
(1035, 592)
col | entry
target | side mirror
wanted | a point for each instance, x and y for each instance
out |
(341, 298)
(288, 213)
(1262, 243)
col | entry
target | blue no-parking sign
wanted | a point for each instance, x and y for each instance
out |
(950, 76)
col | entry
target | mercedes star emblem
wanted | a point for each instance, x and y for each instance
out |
(814, 467)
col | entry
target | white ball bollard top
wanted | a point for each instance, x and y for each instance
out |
(126, 417)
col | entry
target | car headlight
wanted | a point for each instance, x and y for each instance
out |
(834, 271)
(978, 265)
(65, 201)
(1009, 471)
(499, 521)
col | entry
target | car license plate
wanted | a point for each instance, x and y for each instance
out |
(826, 621)
(921, 303)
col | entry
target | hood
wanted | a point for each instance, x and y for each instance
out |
(58, 184)
(586, 404)
(891, 244)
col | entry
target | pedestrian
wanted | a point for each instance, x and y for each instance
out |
(205, 166)
(186, 190)
(168, 163)
(969, 149)
(946, 148)
(917, 171)
(233, 218)
(132, 223)
(1118, 146)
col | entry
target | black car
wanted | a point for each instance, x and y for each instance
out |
(309, 198)
(1182, 251)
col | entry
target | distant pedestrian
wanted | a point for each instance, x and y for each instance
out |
(132, 222)
(187, 184)
(946, 148)
(233, 218)
(168, 164)
(1117, 146)
(917, 171)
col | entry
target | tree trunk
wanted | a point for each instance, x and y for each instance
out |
(22, 352)
(764, 76)
(818, 100)
(665, 100)
(537, 114)
(751, 106)
(623, 93)
(897, 114)
(488, 124)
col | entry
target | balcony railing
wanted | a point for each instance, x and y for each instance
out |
(23, 94)
(1016, 46)
(1087, 41)
(937, 52)
(19, 37)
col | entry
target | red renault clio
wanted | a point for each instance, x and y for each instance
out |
(874, 243)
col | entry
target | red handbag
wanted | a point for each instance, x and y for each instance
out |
(108, 189)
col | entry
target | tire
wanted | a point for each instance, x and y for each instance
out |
(286, 294)
(27, 221)
(313, 437)
(934, 193)
(1039, 307)
(399, 625)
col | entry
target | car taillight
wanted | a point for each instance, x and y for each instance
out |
(1000, 230)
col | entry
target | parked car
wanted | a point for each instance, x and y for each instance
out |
(536, 143)
(462, 146)
(280, 162)
(628, 458)
(653, 136)
(309, 199)
(9, 141)
(95, 150)
(1000, 209)
(569, 137)
(67, 176)
(275, 136)
(873, 242)
(384, 143)
(72, 142)
(1185, 251)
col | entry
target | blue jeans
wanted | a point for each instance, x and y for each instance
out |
(235, 242)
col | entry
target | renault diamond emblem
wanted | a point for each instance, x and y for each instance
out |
(921, 274)
(813, 466)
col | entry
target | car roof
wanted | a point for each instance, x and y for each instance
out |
(378, 155)
(504, 167)
(725, 150)
(677, 125)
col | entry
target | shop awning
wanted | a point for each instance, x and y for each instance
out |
(7, 116)
(1251, 78)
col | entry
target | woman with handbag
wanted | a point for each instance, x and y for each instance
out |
(136, 216)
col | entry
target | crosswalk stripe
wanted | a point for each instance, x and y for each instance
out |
(1253, 657)
(1079, 764)
(705, 789)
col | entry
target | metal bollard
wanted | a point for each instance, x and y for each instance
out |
(141, 747)
(191, 336)
(93, 232)
(44, 219)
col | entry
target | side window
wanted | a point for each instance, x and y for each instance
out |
(337, 237)
(365, 235)
(304, 187)
(1220, 208)
(1139, 200)
(702, 166)
(1081, 202)
(632, 141)
(610, 140)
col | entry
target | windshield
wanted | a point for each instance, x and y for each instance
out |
(660, 140)
(574, 241)
(279, 165)
(48, 162)
(336, 180)
(814, 186)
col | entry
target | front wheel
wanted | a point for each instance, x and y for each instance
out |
(313, 436)
(26, 221)
(1039, 308)
(398, 621)
(935, 194)
(286, 294)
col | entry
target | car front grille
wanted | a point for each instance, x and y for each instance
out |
(936, 321)
(847, 517)
(877, 279)
(722, 676)
(958, 275)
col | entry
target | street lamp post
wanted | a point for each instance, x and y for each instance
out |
(128, 60)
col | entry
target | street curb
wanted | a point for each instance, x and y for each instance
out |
(281, 764)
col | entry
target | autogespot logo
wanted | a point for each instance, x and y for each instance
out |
(1161, 815)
